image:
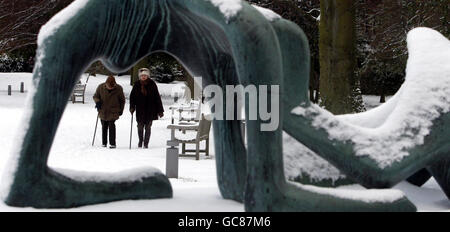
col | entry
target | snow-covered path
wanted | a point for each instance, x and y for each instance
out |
(195, 190)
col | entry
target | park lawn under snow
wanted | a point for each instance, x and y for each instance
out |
(195, 190)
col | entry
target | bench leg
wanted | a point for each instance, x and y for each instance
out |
(197, 150)
(207, 147)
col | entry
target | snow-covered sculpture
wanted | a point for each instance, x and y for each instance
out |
(227, 42)
(394, 141)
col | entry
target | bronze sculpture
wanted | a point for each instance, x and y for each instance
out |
(226, 47)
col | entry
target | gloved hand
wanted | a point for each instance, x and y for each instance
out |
(132, 110)
(98, 105)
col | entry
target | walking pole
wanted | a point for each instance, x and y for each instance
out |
(131, 130)
(95, 131)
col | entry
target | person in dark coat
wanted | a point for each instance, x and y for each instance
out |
(110, 102)
(146, 101)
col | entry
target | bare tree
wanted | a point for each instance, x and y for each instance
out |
(382, 27)
(304, 13)
(20, 21)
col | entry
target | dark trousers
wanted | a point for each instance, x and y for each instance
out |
(148, 131)
(108, 125)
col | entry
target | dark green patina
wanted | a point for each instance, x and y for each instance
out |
(245, 49)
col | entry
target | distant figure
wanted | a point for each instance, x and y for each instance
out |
(145, 100)
(110, 102)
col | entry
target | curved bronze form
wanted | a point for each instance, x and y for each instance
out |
(242, 48)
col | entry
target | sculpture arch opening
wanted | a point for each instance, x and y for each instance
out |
(61, 61)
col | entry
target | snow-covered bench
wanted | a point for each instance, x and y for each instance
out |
(192, 133)
(78, 92)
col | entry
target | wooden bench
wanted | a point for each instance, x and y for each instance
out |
(78, 92)
(202, 130)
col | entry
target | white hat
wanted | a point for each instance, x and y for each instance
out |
(144, 71)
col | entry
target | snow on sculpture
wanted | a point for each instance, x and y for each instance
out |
(399, 138)
(226, 43)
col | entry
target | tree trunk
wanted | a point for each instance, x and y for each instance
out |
(445, 18)
(383, 98)
(339, 88)
(311, 94)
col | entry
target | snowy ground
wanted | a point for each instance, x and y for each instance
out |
(195, 190)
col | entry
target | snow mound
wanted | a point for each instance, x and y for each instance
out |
(268, 14)
(406, 119)
(132, 175)
(229, 8)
